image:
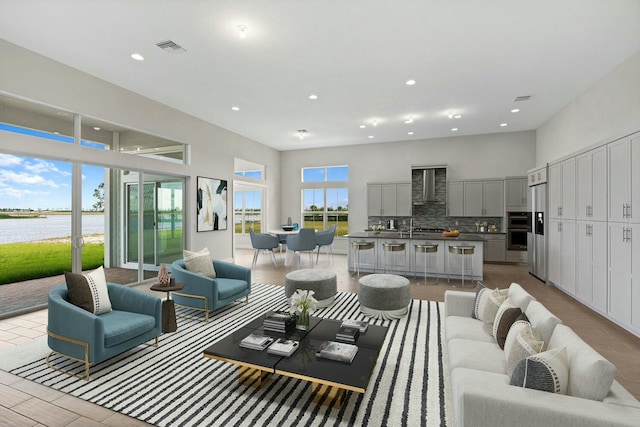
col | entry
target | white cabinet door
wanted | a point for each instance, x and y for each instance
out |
(634, 236)
(591, 263)
(515, 190)
(584, 180)
(455, 198)
(495, 250)
(569, 189)
(554, 187)
(473, 198)
(568, 232)
(584, 251)
(619, 272)
(374, 199)
(619, 180)
(634, 202)
(493, 198)
(599, 184)
(403, 199)
(599, 265)
(555, 252)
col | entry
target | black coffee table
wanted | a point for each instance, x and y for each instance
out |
(330, 378)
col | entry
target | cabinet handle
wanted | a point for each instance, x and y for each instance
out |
(624, 210)
(624, 234)
(629, 230)
(629, 215)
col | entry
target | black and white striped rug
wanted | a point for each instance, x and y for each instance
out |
(174, 385)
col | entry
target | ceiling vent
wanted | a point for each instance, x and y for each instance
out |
(522, 98)
(170, 47)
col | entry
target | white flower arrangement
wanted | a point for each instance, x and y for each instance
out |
(303, 301)
(377, 227)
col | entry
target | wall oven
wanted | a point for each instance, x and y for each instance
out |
(517, 223)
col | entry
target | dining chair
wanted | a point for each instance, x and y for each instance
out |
(263, 241)
(304, 241)
(325, 238)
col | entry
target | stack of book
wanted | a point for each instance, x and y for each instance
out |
(282, 347)
(339, 351)
(362, 325)
(256, 342)
(279, 321)
(347, 334)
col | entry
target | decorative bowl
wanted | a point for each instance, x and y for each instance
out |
(451, 233)
(287, 227)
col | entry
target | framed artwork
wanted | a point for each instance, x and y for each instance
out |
(211, 199)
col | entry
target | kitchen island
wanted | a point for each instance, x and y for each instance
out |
(410, 263)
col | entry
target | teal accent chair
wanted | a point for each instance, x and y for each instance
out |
(88, 338)
(325, 238)
(203, 293)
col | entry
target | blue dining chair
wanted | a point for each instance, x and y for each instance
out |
(325, 238)
(304, 241)
(262, 241)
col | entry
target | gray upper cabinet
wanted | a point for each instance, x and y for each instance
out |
(475, 198)
(389, 199)
(516, 194)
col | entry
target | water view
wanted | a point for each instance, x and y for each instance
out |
(49, 227)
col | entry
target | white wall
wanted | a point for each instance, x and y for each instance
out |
(608, 110)
(33, 77)
(480, 156)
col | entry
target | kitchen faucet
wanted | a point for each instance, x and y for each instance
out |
(411, 228)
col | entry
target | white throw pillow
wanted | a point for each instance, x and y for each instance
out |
(199, 262)
(522, 341)
(490, 301)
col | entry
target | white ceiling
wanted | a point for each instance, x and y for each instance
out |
(471, 57)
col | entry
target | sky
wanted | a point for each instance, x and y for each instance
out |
(32, 183)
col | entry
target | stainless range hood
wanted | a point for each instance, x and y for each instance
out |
(428, 187)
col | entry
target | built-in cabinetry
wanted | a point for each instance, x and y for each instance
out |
(594, 229)
(624, 231)
(476, 198)
(515, 190)
(389, 199)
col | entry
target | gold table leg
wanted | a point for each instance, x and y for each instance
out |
(327, 395)
(252, 377)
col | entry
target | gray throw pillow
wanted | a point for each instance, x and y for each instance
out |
(547, 371)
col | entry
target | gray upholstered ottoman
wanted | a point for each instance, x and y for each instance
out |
(322, 282)
(384, 296)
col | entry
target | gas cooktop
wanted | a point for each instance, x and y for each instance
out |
(428, 230)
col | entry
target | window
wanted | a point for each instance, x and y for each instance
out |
(326, 204)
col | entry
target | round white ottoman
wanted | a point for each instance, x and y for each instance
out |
(322, 282)
(384, 296)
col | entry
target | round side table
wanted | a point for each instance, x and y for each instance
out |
(169, 323)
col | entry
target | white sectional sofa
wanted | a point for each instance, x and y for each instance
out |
(481, 391)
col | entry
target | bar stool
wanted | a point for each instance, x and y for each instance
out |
(463, 251)
(429, 250)
(394, 247)
(363, 246)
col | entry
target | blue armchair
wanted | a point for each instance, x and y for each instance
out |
(304, 241)
(85, 337)
(206, 294)
(325, 238)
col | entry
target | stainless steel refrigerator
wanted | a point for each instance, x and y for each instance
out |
(536, 231)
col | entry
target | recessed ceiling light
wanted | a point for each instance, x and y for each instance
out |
(409, 120)
(370, 137)
(137, 57)
(503, 124)
(515, 110)
(457, 116)
(362, 126)
(96, 128)
(242, 30)
(409, 133)
(454, 129)
(302, 133)
(375, 123)
(313, 96)
(411, 82)
(234, 108)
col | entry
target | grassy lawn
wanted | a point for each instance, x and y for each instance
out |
(24, 261)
